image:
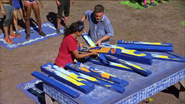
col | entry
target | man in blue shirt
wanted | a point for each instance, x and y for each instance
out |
(100, 27)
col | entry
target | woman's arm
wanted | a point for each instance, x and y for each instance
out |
(78, 56)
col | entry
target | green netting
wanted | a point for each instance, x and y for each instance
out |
(183, 23)
(138, 6)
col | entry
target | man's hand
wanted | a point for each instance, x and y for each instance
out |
(98, 43)
(73, 2)
(58, 3)
(3, 13)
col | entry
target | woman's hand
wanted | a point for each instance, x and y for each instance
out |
(94, 53)
(81, 45)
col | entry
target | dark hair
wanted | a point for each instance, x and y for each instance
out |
(98, 8)
(74, 27)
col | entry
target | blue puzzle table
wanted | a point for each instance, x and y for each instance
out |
(164, 74)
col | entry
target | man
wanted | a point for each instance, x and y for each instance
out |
(101, 28)
(7, 12)
(63, 5)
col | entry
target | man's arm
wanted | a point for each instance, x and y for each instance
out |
(83, 17)
(110, 32)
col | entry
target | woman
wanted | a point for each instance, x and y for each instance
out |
(17, 5)
(68, 50)
(32, 4)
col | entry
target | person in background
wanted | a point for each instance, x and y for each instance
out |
(32, 4)
(63, 5)
(17, 5)
(100, 27)
(68, 50)
(151, 3)
(7, 12)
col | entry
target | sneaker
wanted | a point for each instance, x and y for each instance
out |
(58, 31)
(14, 35)
(42, 33)
(8, 40)
(145, 6)
(27, 36)
(153, 4)
(17, 32)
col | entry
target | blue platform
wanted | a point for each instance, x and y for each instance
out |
(164, 74)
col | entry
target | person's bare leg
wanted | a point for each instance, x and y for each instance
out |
(58, 23)
(27, 19)
(21, 13)
(15, 19)
(67, 20)
(6, 31)
(37, 15)
(11, 29)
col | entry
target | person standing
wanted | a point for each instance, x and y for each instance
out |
(100, 27)
(63, 5)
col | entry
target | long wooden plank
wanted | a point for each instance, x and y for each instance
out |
(147, 47)
(131, 55)
(94, 73)
(101, 49)
(67, 80)
(104, 83)
(136, 68)
(55, 68)
(91, 43)
(145, 43)
(104, 75)
(112, 64)
(60, 87)
(170, 58)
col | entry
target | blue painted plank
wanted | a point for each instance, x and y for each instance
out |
(100, 49)
(104, 83)
(136, 68)
(145, 43)
(68, 80)
(102, 74)
(112, 64)
(91, 43)
(147, 47)
(131, 55)
(56, 68)
(170, 58)
(60, 87)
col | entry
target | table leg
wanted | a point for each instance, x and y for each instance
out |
(181, 89)
(50, 100)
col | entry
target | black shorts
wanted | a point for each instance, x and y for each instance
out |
(65, 6)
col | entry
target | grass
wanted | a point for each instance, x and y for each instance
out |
(183, 23)
(138, 6)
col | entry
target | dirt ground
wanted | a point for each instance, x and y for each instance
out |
(158, 24)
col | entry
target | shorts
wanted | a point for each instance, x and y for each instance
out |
(65, 5)
(9, 15)
(17, 4)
